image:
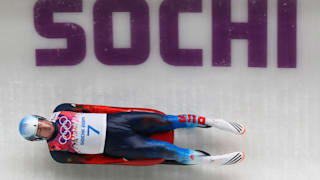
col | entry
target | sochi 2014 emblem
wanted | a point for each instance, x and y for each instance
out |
(65, 129)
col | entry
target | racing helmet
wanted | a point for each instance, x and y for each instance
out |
(28, 127)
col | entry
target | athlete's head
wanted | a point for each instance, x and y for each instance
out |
(35, 128)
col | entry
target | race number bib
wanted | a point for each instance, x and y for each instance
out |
(92, 132)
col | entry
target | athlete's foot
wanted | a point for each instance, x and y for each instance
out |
(233, 127)
(226, 159)
(219, 160)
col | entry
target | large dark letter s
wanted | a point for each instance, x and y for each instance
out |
(75, 35)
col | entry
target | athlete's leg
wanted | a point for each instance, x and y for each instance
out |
(165, 150)
(140, 147)
(135, 146)
(201, 121)
(148, 123)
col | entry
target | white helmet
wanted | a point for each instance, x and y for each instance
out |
(28, 127)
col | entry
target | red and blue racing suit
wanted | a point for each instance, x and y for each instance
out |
(127, 135)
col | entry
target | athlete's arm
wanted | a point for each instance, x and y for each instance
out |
(66, 157)
(74, 158)
(84, 108)
(98, 109)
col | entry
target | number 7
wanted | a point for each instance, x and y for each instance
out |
(93, 129)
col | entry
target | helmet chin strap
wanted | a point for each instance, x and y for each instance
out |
(38, 139)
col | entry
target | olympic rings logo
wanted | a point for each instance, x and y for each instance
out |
(65, 128)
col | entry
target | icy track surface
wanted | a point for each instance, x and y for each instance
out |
(280, 106)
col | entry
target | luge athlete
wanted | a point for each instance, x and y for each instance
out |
(124, 134)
